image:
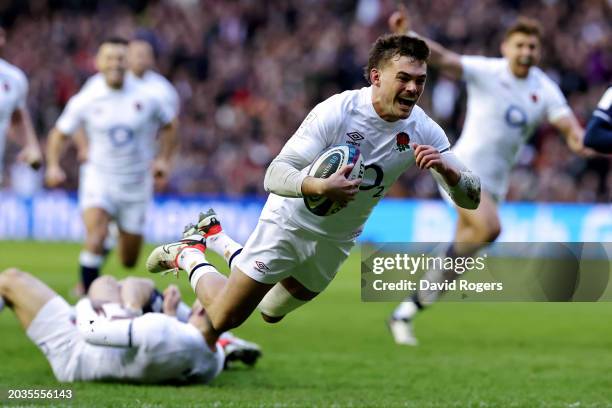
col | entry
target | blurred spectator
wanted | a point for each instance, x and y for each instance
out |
(248, 72)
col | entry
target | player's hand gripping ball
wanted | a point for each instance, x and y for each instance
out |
(328, 163)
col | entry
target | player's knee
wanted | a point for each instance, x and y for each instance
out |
(9, 278)
(493, 230)
(129, 262)
(271, 319)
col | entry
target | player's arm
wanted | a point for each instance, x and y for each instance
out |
(54, 174)
(285, 177)
(67, 124)
(21, 124)
(457, 180)
(111, 333)
(440, 57)
(168, 143)
(573, 133)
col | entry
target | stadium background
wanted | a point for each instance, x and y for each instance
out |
(247, 73)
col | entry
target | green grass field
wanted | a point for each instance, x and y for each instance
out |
(336, 351)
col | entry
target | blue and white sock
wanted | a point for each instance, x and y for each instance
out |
(1, 303)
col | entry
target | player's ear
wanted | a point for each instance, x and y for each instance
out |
(375, 77)
(502, 47)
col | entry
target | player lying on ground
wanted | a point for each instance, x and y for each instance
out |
(292, 255)
(120, 116)
(100, 340)
(507, 99)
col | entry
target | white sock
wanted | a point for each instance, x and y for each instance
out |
(193, 261)
(406, 310)
(189, 258)
(222, 244)
(199, 271)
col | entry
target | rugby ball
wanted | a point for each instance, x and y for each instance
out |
(326, 164)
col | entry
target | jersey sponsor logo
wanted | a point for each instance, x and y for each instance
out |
(120, 135)
(261, 267)
(402, 142)
(515, 116)
(534, 97)
(355, 137)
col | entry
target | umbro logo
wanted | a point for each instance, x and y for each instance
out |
(355, 137)
(261, 267)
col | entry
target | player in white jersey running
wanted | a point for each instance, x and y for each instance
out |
(97, 340)
(141, 61)
(120, 117)
(14, 113)
(292, 255)
(507, 99)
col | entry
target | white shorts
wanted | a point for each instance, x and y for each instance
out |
(128, 208)
(273, 253)
(54, 332)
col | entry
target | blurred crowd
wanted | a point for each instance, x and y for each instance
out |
(248, 72)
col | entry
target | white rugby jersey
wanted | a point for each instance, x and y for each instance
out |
(349, 117)
(120, 125)
(13, 94)
(502, 112)
(163, 349)
(162, 88)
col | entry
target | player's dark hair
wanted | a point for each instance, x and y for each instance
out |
(114, 40)
(391, 45)
(526, 26)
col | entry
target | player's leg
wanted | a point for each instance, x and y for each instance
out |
(46, 317)
(475, 229)
(129, 248)
(130, 221)
(320, 261)
(96, 220)
(268, 257)
(217, 240)
(286, 296)
(228, 301)
(24, 293)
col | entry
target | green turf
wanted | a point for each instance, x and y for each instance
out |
(336, 352)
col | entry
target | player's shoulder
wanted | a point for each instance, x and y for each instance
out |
(483, 63)
(347, 102)
(429, 129)
(156, 77)
(543, 81)
(12, 71)
(93, 87)
(421, 118)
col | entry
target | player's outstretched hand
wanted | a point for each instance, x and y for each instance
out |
(32, 156)
(399, 23)
(54, 176)
(172, 297)
(160, 173)
(338, 188)
(428, 157)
